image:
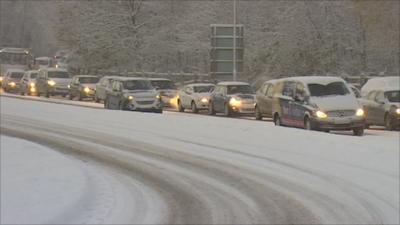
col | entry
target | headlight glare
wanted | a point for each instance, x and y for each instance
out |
(398, 111)
(130, 97)
(86, 89)
(321, 114)
(360, 112)
(235, 102)
(12, 84)
(51, 82)
(204, 100)
(32, 84)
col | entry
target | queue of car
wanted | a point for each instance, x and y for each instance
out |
(320, 103)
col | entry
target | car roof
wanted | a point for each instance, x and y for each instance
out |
(382, 83)
(79, 76)
(42, 58)
(314, 79)
(15, 70)
(31, 71)
(129, 78)
(200, 84)
(228, 83)
(163, 79)
(54, 69)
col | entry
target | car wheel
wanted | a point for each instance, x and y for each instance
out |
(258, 114)
(211, 110)
(79, 97)
(307, 124)
(96, 99)
(194, 108)
(158, 111)
(358, 131)
(46, 94)
(106, 104)
(180, 107)
(70, 96)
(227, 110)
(121, 106)
(388, 122)
(277, 120)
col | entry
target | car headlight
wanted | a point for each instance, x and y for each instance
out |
(69, 86)
(235, 102)
(398, 111)
(204, 100)
(158, 96)
(51, 82)
(86, 89)
(360, 112)
(12, 84)
(130, 97)
(1, 79)
(321, 114)
(32, 84)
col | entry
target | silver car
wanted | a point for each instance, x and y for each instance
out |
(195, 97)
(28, 83)
(102, 86)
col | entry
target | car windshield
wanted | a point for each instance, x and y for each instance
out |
(137, 85)
(334, 88)
(202, 89)
(17, 75)
(393, 96)
(58, 74)
(42, 62)
(34, 75)
(240, 89)
(88, 80)
(163, 84)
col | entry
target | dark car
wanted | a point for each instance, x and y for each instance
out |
(12, 80)
(317, 103)
(264, 97)
(83, 86)
(53, 81)
(168, 91)
(382, 108)
(133, 94)
(232, 98)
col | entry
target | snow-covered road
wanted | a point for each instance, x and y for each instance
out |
(184, 168)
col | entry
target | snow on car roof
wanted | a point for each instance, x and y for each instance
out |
(15, 70)
(129, 78)
(42, 58)
(228, 83)
(382, 83)
(159, 79)
(85, 76)
(200, 84)
(55, 69)
(315, 79)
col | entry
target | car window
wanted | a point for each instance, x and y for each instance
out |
(380, 97)
(264, 88)
(288, 88)
(16, 75)
(137, 85)
(300, 90)
(334, 88)
(393, 96)
(34, 75)
(163, 84)
(58, 74)
(88, 80)
(270, 91)
(239, 89)
(203, 89)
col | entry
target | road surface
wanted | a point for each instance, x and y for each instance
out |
(190, 169)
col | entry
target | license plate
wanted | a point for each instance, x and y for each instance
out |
(341, 121)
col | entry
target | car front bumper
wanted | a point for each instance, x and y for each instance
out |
(149, 105)
(338, 123)
(58, 90)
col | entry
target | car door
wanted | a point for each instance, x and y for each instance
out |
(219, 99)
(297, 106)
(41, 81)
(25, 81)
(114, 95)
(185, 97)
(268, 100)
(75, 86)
(261, 97)
(286, 102)
(380, 108)
(369, 105)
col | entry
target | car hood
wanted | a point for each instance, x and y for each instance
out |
(243, 96)
(142, 93)
(329, 103)
(168, 91)
(201, 95)
(61, 81)
(91, 86)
